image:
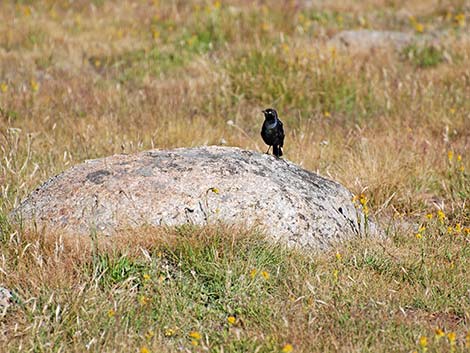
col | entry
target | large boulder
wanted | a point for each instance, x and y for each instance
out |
(365, 40)
(197, 186)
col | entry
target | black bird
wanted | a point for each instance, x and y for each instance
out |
(272, 132)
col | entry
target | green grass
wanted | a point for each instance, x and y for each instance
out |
(137, 65)
(424, 57)
(282, 78)
(192, 280)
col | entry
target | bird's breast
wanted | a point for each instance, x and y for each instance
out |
(268, 125)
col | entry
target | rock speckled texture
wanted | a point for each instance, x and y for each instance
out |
(366, 40)
(195, 185)
(6, 300)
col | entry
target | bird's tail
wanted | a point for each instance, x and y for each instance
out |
(277, 150)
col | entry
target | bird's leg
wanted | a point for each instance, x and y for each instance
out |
(267, 152)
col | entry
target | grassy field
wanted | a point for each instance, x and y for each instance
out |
(84, 79)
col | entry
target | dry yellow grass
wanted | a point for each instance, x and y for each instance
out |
(85, 79)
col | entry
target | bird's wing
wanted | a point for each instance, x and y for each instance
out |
(281, 133)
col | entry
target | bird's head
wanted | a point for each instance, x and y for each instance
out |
(270, 114)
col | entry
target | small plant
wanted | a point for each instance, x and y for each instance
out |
(427, 56)
(116, 270)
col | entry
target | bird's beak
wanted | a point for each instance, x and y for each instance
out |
(263, 111)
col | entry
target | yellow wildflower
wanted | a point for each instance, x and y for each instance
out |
(34, 85)
(338, 256)
(169, 332)
(459, 158)
(423, 342)
(287, 348)
(418, 235)
(26, 11)
(363, 199)
(421, 229)
(327, 114)
(438, 334)
(3, 87)
(451, 336)
(231, 320)
(143, 300)
(217, 4)
(111, 313)
(335, 275)
(146, 277)
(419, 27)
(460, 19)
(265, 274)
(429, 216)
(441, 215)
(450, 230)
(452, 110)
(194, 342)
(253, 273)
(144, 350)
(214, 190)
(194, 334)
(467, 230)
(458, 228)
(450, 155)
